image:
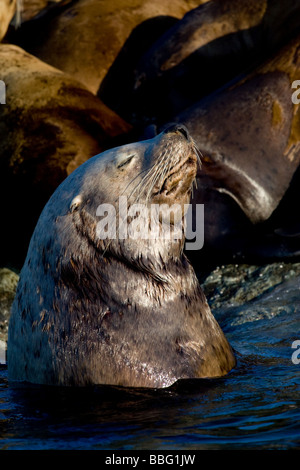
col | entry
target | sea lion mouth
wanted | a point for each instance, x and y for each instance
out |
(179, 178)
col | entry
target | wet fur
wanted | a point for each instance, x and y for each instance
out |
(123, 312)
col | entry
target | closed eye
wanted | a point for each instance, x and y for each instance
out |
(125, 162)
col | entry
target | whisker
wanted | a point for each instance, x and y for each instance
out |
(197, 151)
(18, 14)
(165, 166)
(154, 176)
(137, 176)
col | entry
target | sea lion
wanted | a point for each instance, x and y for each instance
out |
(210, 46)
(50, 124)
(118, 311)
(8, 9)
(102, 27)
(249, 137)
(30, 9)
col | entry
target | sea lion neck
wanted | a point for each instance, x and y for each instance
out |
(107, 281)
(105, 265)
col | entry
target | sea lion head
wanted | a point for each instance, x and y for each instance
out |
(125, 199)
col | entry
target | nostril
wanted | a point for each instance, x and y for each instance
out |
(178, 128)
(183, 131)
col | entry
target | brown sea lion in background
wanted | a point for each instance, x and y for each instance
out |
(125, 311)
(250, 139)
(37, 8)
(211, 45)
(84, 37)
(50, 124)
(8, 9)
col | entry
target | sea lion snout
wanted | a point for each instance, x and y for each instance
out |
(176, 129)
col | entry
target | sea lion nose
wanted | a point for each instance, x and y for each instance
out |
(175, 128)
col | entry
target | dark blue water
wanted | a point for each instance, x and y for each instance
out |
(257, 406)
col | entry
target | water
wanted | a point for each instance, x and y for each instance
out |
(257, 406)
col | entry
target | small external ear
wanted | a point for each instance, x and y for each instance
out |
(75, 203)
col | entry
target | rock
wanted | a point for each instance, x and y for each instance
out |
(234, 285)
(239, 294)
(49, 125)
(8, 284)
